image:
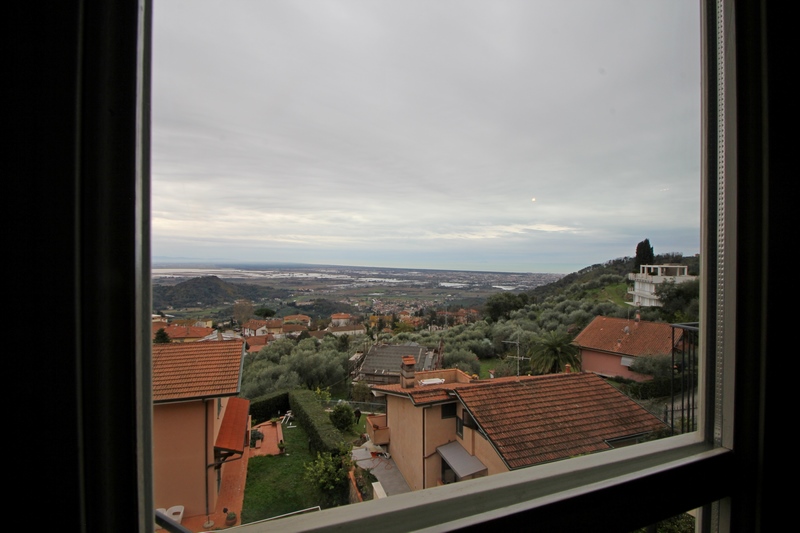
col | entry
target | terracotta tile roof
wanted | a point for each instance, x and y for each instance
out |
(196, 370)
(641, 338)
(182, 332)
(539, 419)
(255, 324)
(300, 318)
(341, 315)
(290, 328)
(232, 433)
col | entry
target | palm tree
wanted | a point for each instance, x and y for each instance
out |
(552, 351)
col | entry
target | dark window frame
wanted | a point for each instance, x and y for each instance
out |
(83, 160)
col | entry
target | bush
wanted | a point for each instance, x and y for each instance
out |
(328, 473)
(322, 434)
(342, 416)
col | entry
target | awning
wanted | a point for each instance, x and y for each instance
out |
(232, 434)
(462, 463)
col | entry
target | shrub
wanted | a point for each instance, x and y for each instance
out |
(322, 434)
(342, 416)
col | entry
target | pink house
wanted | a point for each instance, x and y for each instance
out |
(441, 426)
(609, 346)
(198, 422)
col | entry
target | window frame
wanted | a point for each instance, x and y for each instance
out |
(98, 142)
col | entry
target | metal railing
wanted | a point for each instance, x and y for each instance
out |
(684, 369)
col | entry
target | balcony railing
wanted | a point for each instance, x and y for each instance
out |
(684, 367)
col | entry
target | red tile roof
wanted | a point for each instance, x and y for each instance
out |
(301, 318)
(536, 419)
(232, 433)
(196, 370)
(641, 338)
(182, 332)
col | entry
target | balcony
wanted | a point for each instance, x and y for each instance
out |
(377, 430)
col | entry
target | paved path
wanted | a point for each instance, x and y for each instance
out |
(382, 468)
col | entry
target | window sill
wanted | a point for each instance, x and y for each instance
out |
(661, 475)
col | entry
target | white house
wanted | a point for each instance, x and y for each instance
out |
(651, 276)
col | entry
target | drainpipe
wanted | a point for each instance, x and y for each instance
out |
(205, 449)
(424, 465)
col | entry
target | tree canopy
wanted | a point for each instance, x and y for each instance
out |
(644, 254)
(552, 352)
(162, 337)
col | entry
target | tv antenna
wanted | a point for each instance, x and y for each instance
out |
(518, 357)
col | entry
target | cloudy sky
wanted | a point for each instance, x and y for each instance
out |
(520, 136)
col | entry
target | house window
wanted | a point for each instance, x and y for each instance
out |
(460, 427)
(449, 410)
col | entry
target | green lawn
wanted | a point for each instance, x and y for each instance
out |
(488, 364)
(275, 484)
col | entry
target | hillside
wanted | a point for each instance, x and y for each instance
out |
(209, 291)
(601, 280)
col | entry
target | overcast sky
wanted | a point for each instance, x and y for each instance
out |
(417, 133)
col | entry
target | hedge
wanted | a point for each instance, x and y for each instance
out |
(269, 406)
(323, 436)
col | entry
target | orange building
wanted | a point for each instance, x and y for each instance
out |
(198, 422)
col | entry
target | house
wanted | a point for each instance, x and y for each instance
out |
(274, 326)
(441, 426)
(341, 319)
(350, 329)
(253, 328)
(198, 422)
(648, 279)
(609, 346)
(298, 319)
(292, 330)
(179, 333)
(381, 364)
(200, 323)
(254, 344)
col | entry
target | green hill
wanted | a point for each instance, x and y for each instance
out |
(210, 291)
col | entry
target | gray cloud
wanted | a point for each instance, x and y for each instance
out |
(416, 133)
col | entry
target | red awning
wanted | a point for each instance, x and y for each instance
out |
(232, 436)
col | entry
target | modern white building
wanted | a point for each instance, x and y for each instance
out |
(651, 276)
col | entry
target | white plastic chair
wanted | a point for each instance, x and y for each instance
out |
(176, 513)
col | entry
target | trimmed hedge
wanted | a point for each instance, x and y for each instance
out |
(269, 406)
(323, 437)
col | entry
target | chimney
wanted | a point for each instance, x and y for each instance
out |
(407, 372)
(568, 368)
